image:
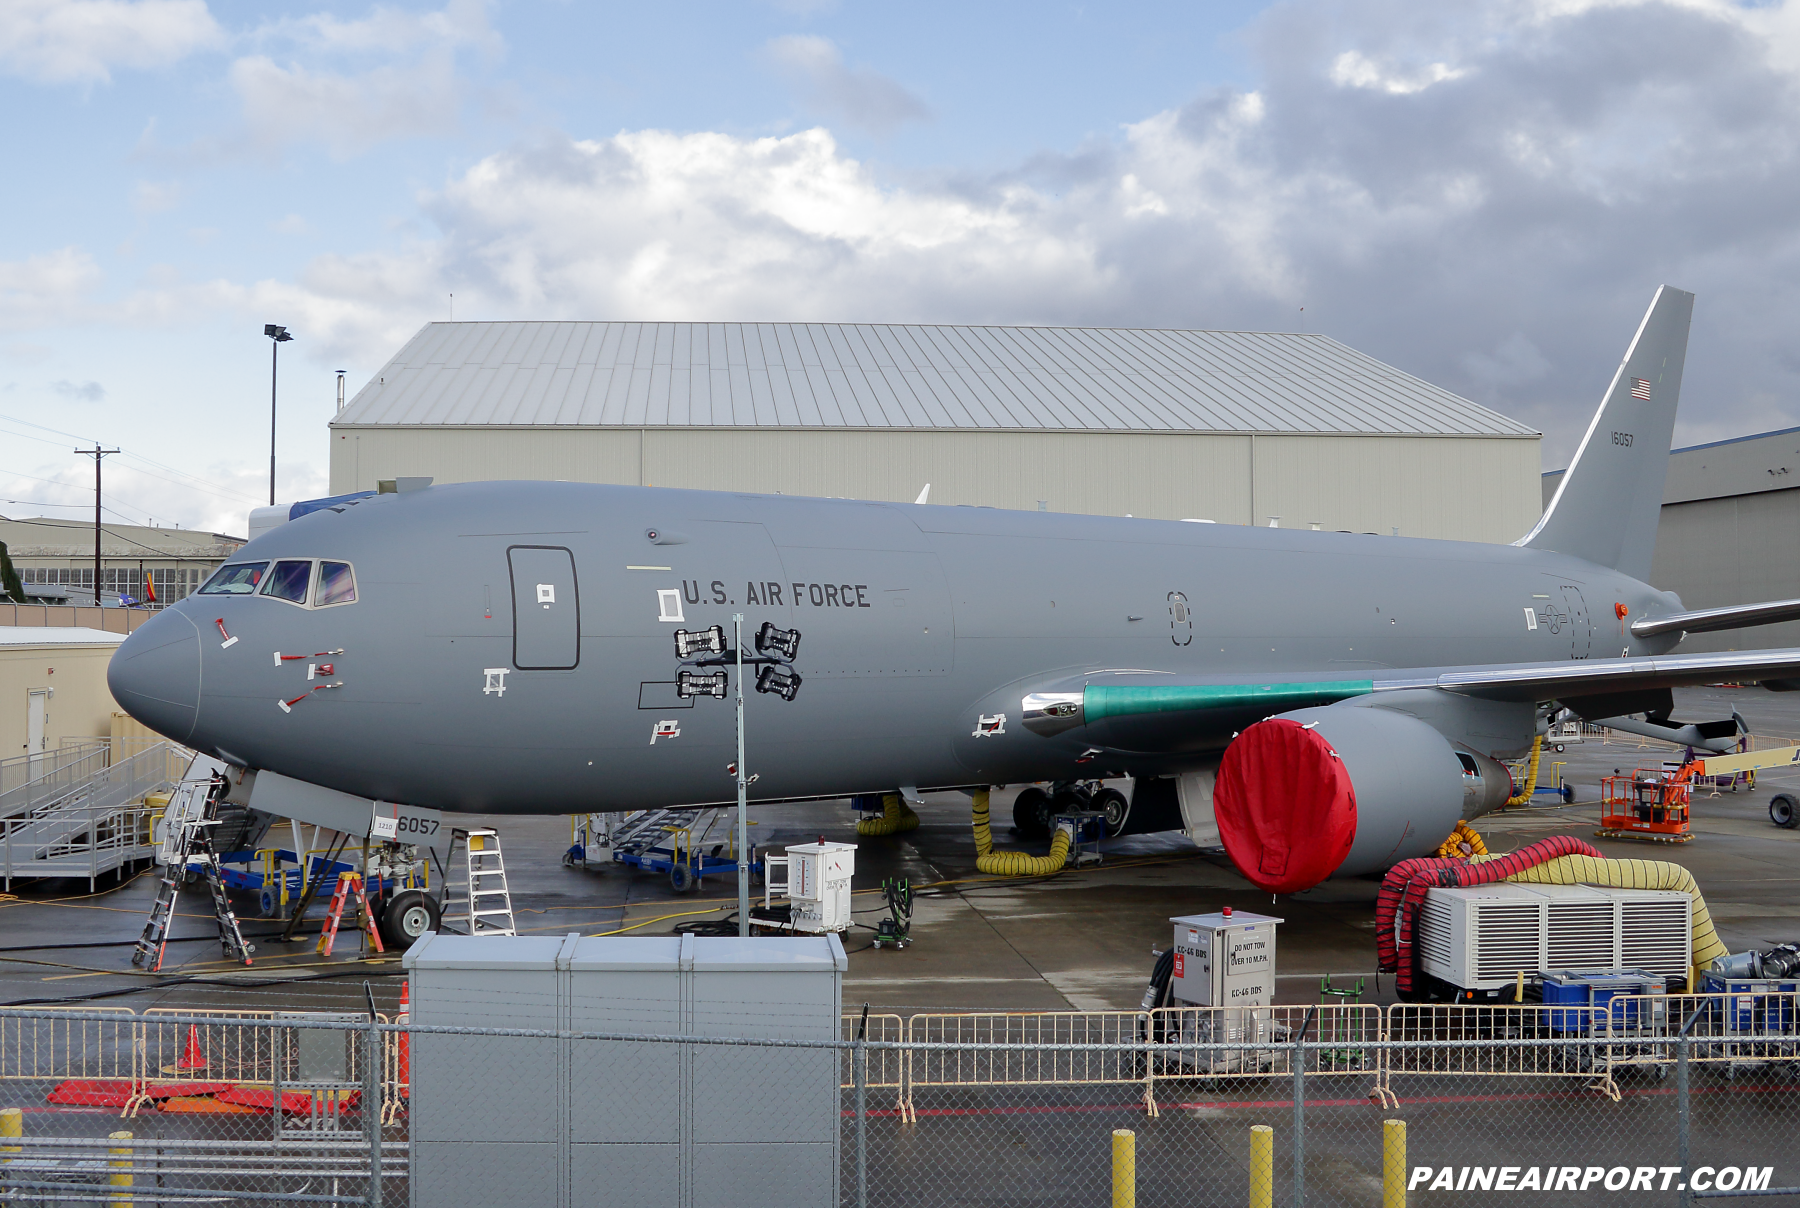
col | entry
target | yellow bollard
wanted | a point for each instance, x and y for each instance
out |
(12, 1127)
(121, 1156)
(1124, 1168)
(1393, 1164)
(1262, 1166)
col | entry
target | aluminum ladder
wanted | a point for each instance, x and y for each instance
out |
(195, 848)
(489, 902)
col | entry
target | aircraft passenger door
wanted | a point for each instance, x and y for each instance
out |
(546, 608)
(1581, 626)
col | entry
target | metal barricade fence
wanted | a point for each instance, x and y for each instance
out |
(884, 1067)
(1755, 1028)
(98, 1044)
(1046, 1048)
(270, 1106)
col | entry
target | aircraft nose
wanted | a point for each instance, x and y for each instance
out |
(155, 675)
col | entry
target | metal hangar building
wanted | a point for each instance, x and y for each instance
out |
(1233, 427)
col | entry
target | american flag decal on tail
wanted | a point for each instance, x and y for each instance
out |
(1640, 389)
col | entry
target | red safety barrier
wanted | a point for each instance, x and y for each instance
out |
(1403, 892)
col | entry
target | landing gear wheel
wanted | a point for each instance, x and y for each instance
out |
(410, 913)
(1072, 800)
(1112, 803)
(681, 878)
(1784, 811)
(1031, 813)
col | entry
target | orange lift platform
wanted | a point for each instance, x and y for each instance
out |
(1654, 804)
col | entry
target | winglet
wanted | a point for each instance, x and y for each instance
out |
(924, 495)
(1610, 499)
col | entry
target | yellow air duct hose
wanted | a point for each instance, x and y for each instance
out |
(1016, 863)
(896, 816)
(1537, 747)
(1631, 874)
(1462, 844)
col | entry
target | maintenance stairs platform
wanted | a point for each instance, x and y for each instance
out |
(79, 812)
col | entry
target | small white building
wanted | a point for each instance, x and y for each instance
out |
(53, 686)
(1232, 427)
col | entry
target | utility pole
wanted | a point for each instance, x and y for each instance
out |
(277, 337)
(99, 455)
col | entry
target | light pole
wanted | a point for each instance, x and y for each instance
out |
(277, 337)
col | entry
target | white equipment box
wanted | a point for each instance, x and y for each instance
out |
(1224, 960)
(1481, 937)
(819, 885)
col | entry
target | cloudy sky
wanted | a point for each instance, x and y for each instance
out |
(1485, 195)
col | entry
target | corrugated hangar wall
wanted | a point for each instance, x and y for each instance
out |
(1729, 533)
(1477, 488)
(1230, 426)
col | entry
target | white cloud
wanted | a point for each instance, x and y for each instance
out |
(81, 41)
(860, 98)
(293, 224)
(46, 288)
(1353, 70)
(390, 30)
(153, 197)
(348, 113)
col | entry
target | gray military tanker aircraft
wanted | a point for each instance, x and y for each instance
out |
(1333, 702)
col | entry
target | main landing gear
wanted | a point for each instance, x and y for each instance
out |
(1033, 808)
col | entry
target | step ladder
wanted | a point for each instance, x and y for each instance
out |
(347, 883)
(195, 849)
(489, 903)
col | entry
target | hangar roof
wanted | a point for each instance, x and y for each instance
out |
(897, 376)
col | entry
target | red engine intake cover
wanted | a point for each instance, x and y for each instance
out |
(1285, 806)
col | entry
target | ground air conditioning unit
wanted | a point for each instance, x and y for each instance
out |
(1480, 938)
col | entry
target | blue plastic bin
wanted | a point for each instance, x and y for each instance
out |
(1757, 1003)
(1596, 988)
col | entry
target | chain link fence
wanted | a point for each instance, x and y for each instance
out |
(1668, 1098)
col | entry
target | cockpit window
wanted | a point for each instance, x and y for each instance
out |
(236, 580)
(289, 581)
(337, 584)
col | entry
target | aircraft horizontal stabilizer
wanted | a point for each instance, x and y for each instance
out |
(1707, 620)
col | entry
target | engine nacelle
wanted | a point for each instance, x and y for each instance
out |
(1338, 791)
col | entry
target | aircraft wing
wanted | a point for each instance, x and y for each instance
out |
(1149, 710)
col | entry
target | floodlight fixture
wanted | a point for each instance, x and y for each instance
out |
(780, 681)
(279, 335)
(698, 683)
(689, 643)
(785, 642)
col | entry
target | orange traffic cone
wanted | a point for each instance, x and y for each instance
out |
(403, 1044)
(192, 1058)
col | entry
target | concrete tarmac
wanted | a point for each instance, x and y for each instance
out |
(1079, 940)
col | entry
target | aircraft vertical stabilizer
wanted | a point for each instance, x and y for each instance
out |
(1608, 504)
